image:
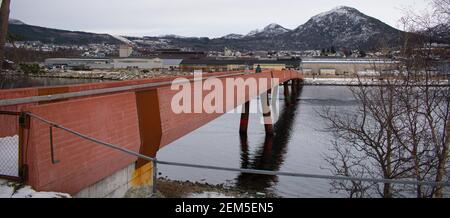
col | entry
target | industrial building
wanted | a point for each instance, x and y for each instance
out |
(113, 63)
(81, 63)
(346, 67)
(138, 63)
(214, 65)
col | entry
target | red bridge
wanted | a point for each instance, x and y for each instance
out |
(136, 115)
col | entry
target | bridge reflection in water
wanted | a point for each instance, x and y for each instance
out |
(271, 154)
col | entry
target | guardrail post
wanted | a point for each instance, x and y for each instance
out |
(52, 148)
(155, 177)
(24, 127)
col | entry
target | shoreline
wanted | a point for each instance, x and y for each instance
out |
(167, 188)
(142, 74)
(350, 81)
(120, 75)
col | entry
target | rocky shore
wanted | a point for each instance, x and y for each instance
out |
(114, 75)
(167, 188)
(355, 82)
(101, 74)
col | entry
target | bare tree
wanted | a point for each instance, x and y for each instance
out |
(422, 57)
(400, 130)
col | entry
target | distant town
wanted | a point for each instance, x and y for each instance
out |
(351, 45)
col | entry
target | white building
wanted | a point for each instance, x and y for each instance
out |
(125, 50)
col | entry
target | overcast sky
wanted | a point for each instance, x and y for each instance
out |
(211, 18)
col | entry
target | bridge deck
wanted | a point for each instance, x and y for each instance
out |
(136, 114)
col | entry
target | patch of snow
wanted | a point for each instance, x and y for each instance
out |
(174, 36)
(9, 155)
(341, 10)
(233, 36)
(330, 81)
(272, 29)
(15, 22)
(7, 191)
(253, 32)
(123, 39)
(208, 195)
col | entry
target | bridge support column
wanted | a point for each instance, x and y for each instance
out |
(274, 104)
(286, 93)
(244, 118)
(151, 134)
(294, 86)
(286, 89)
(267, 118)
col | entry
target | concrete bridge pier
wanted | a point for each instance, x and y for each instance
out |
(244, 118)
(150, 132)
(286, 89)
(274, 104)
(295, 84)
(267, 117)
(286, 93)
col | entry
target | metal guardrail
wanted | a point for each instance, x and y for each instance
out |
(155, 161)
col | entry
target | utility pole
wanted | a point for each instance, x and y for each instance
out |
(4, 20)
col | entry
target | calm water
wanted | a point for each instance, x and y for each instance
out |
(11, 82)
(299, 145)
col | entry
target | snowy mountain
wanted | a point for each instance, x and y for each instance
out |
(232, 36)
(343, 27)
(271, 30)
(15, 22)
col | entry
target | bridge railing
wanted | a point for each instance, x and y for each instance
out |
(155, 163)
